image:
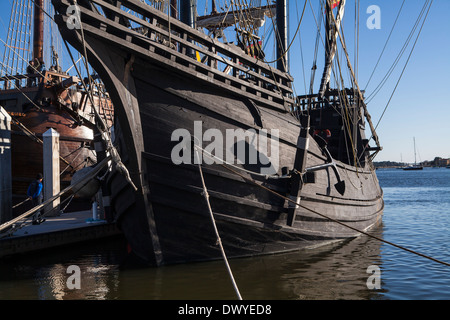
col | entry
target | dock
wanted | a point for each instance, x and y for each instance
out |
(17, 234)
(68, 228)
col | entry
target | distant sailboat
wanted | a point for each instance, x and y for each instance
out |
(415, 166)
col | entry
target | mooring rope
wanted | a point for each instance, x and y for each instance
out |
(76, 187)
(21, 203)
(23, 222)
(219, 241)
(223, 164)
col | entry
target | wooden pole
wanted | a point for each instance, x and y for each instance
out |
(187, 15)
(299, 167)
(51, 171)
(102, 196)
(38, 32)
(5, 167)
(281, 39)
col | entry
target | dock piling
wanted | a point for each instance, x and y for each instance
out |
(51, 171)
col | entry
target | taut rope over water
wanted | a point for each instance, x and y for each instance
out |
(219, 241)
(223, 164)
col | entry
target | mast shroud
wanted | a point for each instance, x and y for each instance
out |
(332, 33)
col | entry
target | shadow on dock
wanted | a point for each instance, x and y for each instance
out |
(68, 228)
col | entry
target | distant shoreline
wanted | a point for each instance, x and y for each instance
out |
(389, 164)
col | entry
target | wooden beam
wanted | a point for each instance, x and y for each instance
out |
(273, 97)
(299, 168)
(226, 19)
(51, 171)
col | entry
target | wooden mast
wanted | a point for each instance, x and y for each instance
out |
(332, 33)
(38, 31)
(281, 40)
(188, 9)
(187, 12)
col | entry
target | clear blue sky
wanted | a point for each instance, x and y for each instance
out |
(420, 107)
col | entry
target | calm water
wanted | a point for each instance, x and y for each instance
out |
(417, 216)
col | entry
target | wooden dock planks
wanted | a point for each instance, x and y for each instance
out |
(69, 228)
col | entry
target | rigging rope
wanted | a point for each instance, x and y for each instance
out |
(23, 59)
(301, 52)
(15, 227)
(316, 47)
(339, 80)
(292, 41)
(296, 203)
(353, 77)
(101, 125)
(18, 36)
(404, 68)
(385, 45)
(397, 59)
(357, 16)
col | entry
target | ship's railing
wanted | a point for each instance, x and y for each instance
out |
(136, 25)
(19, 81)
(59, 82)
(331, 98)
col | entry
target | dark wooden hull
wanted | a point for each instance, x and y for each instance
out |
(250, 220)
(167, 219)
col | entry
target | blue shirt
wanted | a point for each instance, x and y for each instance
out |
(34, 190)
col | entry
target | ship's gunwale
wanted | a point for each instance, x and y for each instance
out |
(129, 40)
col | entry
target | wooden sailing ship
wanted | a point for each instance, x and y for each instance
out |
(40, 98)
(164, 75)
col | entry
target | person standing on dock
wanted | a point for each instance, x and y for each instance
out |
(34, 193)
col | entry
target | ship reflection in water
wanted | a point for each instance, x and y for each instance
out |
(337, 271)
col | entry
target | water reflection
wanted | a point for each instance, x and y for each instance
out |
(415, 217)
(332, 272)
(44, 275)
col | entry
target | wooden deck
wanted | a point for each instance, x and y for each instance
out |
(69, 228)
